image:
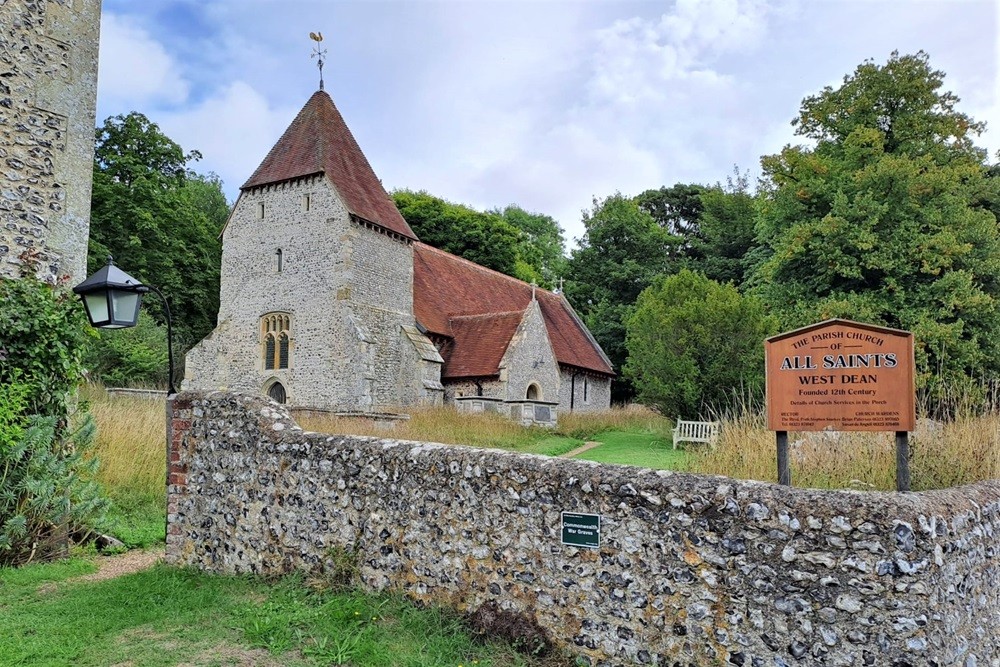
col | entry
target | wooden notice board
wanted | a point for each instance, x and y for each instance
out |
(840, 375)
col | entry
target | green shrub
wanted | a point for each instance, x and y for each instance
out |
(44, 494)
(130, 357)
(43, 332)
(695, 346)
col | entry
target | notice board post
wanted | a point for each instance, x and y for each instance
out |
(843, 376)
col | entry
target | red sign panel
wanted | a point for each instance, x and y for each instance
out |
(840, 375)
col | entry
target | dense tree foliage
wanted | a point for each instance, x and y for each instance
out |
(521, 244)
(695, 346)
(542, 247)
(134, 357)
(676, 209)
(885, 220)
(160, 220)
(463, 231)
(725, 246)
(622, 251)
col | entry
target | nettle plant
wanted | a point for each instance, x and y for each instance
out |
(44, 490)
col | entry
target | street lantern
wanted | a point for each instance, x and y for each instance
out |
(112, 298)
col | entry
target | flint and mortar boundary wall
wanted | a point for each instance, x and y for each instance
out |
(692, 570)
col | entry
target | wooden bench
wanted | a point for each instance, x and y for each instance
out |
(692, 431)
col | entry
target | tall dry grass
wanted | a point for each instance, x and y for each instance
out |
(131, 442)
(446, 425)
(585, 425)
(942, 454)
(433, 424)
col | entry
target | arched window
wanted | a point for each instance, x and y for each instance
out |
(277, 392)
(275, 332)
(534, 393)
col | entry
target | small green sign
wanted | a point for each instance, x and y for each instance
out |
(581, 530)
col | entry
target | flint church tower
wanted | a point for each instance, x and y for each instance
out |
(317, 282)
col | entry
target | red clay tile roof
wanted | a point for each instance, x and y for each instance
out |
(474, 306)
(479, 342)
(319, 141)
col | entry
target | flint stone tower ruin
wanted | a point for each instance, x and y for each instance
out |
(48, 93)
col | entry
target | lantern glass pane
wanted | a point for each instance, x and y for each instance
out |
(97, 307)
(126, 307)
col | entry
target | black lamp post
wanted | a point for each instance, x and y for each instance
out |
(112, 299)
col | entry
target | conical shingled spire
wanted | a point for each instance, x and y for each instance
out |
(319, 142)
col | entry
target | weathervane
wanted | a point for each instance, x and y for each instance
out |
(318, 53)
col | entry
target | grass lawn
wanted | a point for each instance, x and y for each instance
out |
(636, 448)
(167, 616)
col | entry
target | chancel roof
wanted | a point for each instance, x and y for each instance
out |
(479, 310)
(319, 142)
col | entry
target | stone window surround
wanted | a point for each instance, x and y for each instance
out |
(276, 341)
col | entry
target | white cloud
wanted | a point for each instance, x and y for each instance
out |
(650, 106)
(636, 59)
(234, 129)
(135, 70)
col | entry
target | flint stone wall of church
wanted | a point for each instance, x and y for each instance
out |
(48, 93)
(691, 569)
(312, 244)
(529, 359)
(347, 288)
(596, 396)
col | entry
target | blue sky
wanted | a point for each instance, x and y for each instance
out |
(543, 104)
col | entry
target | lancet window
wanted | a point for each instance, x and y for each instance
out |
(276, 333)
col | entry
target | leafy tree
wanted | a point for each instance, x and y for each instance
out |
(622, 251)
(160, 220)
(883, 219)
(676, 209)
(483, 238)
(133, 356)
(695, 345)
(727, 237)
(542, 247)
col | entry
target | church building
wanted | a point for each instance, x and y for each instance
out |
(330, 302)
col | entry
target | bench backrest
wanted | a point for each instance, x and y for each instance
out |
(697, 430)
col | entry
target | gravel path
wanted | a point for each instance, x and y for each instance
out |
(109, 567)
(587, 446)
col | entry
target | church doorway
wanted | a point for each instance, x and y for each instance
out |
(534, 393)
(277, 392)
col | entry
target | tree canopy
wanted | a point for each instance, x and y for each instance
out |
(542, 248)
(461, 230)
(695, 346)
(620, 254)
(159, 219)
(883, 219)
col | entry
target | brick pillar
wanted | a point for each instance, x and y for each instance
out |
(178, 431)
